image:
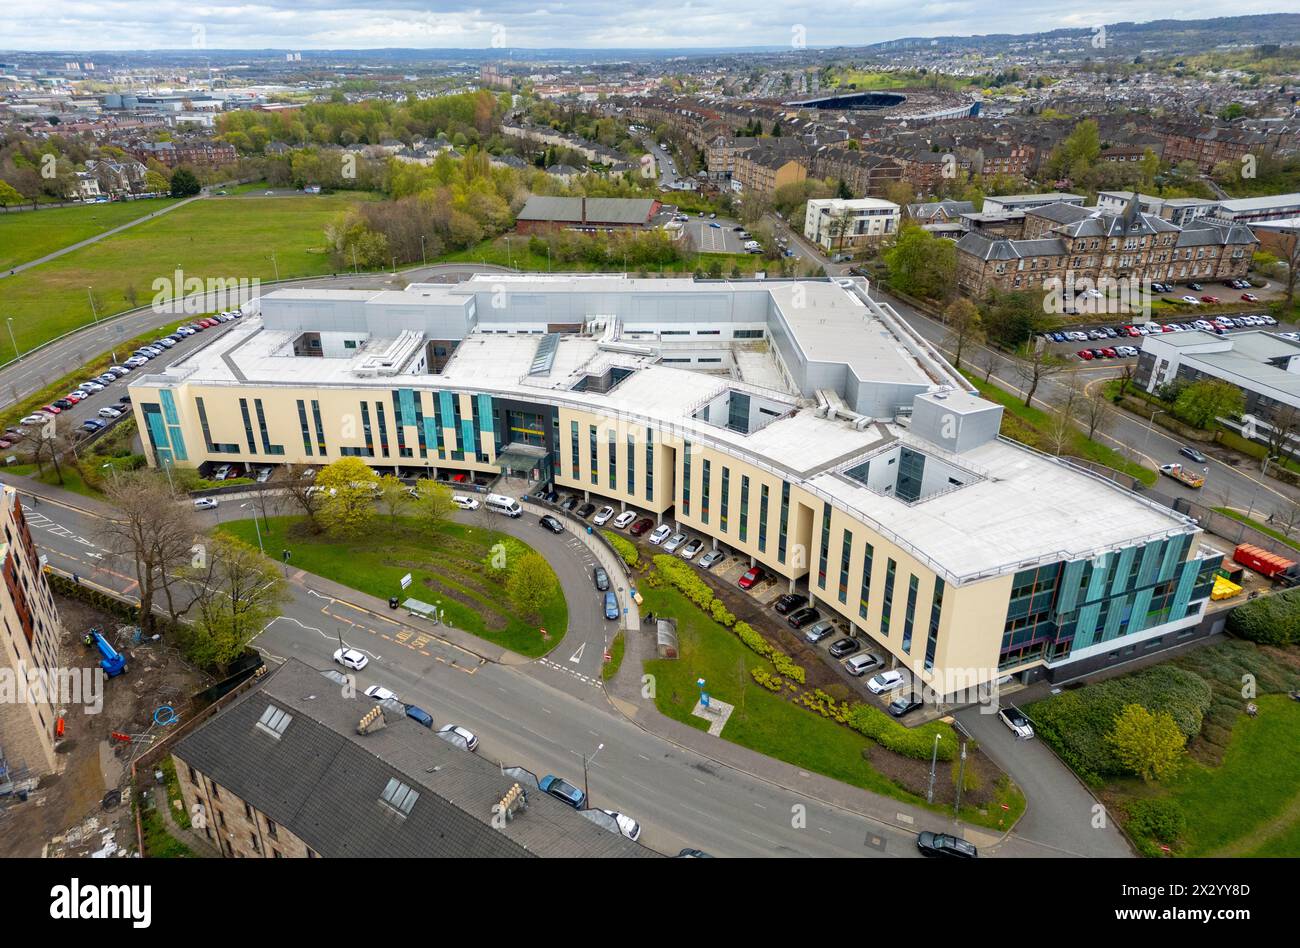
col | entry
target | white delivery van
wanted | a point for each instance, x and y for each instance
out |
(504, 505)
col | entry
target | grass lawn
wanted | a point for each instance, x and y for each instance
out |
(1250, 804)
(1029, 426)
(446, 569)
(611, 667)
(214, 238)
(762, 721)
(517, 255)
(72, 479)
(1260, 526)
(30, 235)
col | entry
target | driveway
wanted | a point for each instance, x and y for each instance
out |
(1060, 808)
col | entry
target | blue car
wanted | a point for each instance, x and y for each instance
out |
(562, 790)
(91, 425)
(611, 606)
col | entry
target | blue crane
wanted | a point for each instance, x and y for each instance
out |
(113, 662)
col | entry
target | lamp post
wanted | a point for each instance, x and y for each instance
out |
(17, 355)
(275, 266)
(423, 257)
(934, 760)
(586, 761)
(1255, 496)
(1147, 436)
(90, 295)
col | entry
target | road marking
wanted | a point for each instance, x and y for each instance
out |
(576, 657)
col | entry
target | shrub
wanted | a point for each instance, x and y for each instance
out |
(625, 548)
(678, 574)
(1268, 620)
(785, 665)
(918, 742)
(1159, 818)
(721, 614)
(753, 641)
(766, 678)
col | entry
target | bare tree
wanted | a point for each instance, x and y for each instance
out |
(1036, 363)
(1283, 426)
(1097, 412)
(988, 362)
(965, 327)
(237, 592)
(154, 526)
(302, 492)
(54, 443)
(1061, 427)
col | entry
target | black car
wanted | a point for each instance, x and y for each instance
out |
(844, 647)
(1192, 453)
(550, 523)
(789, 602)
(600, 578)
(944, 844)
(552, 496)
(904, 704)
(585, 510)
(62, 403)
(802, 617)
(569, 502)
(125, 399)
(1195, 286)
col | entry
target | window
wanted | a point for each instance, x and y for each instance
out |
(272, 830)
(631, 465)
(649, 465)
(267, 446)
(726, 497)
(936, 610)
(825, 545)
(273, 721)
(762, 518)
(864, 595)
(846, 554)
(320, 428)
(595, 462)
(573, 450)
(886, 606)
(399, 796)
(781, 535)
(686, 479)
(383, 429)
(744, 508)
(909, 618)
(704, 493)
(306, 432)
(248, 425)
(613, 460)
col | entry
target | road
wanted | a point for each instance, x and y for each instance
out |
(38, 368)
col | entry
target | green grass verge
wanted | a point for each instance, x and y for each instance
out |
(217, 238)
(1028, 425)
(611, 667)
(517, 255)
(446, 568)
(765, 722)
(1261, 527)
(159, 843)
(30, 235)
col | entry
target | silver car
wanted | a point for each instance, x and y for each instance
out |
(712, 559)
(673, 542)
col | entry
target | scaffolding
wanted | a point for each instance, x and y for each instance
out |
(15, 777)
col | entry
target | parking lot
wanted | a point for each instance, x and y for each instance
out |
(1124, 340)
(715, 236)
(767, 604)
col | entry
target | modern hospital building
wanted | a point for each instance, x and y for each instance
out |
(799, 424)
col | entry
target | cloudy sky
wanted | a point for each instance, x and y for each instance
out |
(357, 24)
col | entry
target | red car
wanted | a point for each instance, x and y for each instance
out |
(1132, 331)
(1085, 354)
(51, 409)
(1110, 353)
(641, 526)
(1209, 299)
(1250, 297)
(751, 577)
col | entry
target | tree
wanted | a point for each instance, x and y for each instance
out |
(394, 496)
(1150, 745)
(184, 183)
(1097, 410)
(921, 264)
(1034, 364)
(303, 492)
(52, 441)
(531, 583)
(154, 525)
(1012, 318)
(1200, 403)
(432, 505)
(349, 487)
(8, 195)
(965, 327)
(1283, 427)
(156, 183)
(1061, 426)
(238, 591)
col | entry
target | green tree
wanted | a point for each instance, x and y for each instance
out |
(156, 183)
(238, 592)
(921, 264)
(184, 183)
(8, 195)
(349, 487)
(1011, 318)
(433, 504)
(394, 496)
(1200, 403)
(1150, 745)
(531, 583)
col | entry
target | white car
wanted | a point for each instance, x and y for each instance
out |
(109, 413)
(692, 548)
(35, 419)
(627, 826)
(380, 693)
(1015, 719)
(350, 658)
(455, 734)
(673, 542)
(885, 682)
(91, 387)
(602, 516)
(1191, 301)
(624, 519)
(263, 475)
(659, 534)
(465, 503)
(206, 503)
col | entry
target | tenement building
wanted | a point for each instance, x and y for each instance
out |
(799, 424)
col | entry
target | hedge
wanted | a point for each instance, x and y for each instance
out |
(1268, 620)
(1076, 723)
(1158, 818)
(625, 548)
(915, 742)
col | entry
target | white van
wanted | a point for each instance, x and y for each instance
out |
(504, 505)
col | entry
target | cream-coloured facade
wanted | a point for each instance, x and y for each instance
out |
(801, 425)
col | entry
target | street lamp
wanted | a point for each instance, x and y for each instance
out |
(1147, 436)
(276, 266)
(90, 295)
(586, 761)
(423, 257)
(17, 355)
(934, 760)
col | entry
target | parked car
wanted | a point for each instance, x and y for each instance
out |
(1085, 354)
(660, 534)
(465, 502)
(350, 658)
(1195, 286)
(945, 845)
(789, 602)
(819, 630)
(844, 646)
(562, 790)
(90, 425)
(1209, 299)
(569, 502)
(221, 473)
(460, 736)
(600, 578)
(904, 705)
(712, 559)
(51, 409)
(107, 412)
(263, 475)
(34, 419)
(641, 526)
(751, 577)
(885, 682)
(802, 617)
(62, 404)
(550, 523)
(859, 664)
(206, 503)
(692, 548)
(92, 387)
(585, 510)
(627, 826)
(1017, 722)
(675, 541)
(611, 605)
(1249, 298)
(1191, 301)
(623, 519)
(603, 516)
(380, 693)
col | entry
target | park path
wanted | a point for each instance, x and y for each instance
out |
(97, 237)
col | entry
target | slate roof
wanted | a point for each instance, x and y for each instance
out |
(1201, 233)
(322, 781)
(599, 210)
(987, 248)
